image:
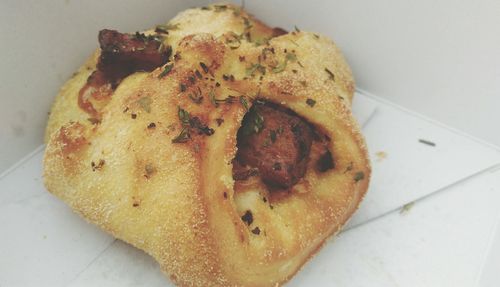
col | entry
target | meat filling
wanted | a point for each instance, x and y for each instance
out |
(276, 142)
(124, 54)
(121, 55)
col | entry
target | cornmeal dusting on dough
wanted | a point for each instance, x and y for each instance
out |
(178, 201)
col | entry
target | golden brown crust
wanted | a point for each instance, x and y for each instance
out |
(177, 201)
(192, 21)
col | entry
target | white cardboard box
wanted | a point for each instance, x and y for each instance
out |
(446, 237)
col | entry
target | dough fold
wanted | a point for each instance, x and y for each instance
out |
(156, 170)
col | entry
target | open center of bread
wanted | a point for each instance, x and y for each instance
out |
(276, 146)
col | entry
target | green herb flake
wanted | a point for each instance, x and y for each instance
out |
(182, 87)
(261, 41)
(310, 102)
(280, 68)
(211, 96)
(349, 167)
(204, 67)
(331, 76)
(140, 36)
(166, 70)
(220, 8)
(273, 135)
(258, 123)
(183, 116)
(297, 29)
(255, 67)
(167, 27)
(233, 41)
(202, 128)
(183, 136)
(407, 207)
(145, 103)
(254, 124)
(97, 166)
(196, 97)
(359, 176)
(247, 23)
(244, 102)
(198, 74)
(228, 100)
(94, 121)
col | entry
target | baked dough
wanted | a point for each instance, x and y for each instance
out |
(137, 176)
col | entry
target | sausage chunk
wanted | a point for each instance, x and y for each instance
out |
(277, 142)
(124, 54)
(121, 55)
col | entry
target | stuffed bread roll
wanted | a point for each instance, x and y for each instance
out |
(223, 148)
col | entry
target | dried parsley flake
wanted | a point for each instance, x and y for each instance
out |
(166, 28)
(244, 102)
(359, 176)
(166, 70)
(183, 136)
(331, 76)
(145, 103)
(310, 102)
